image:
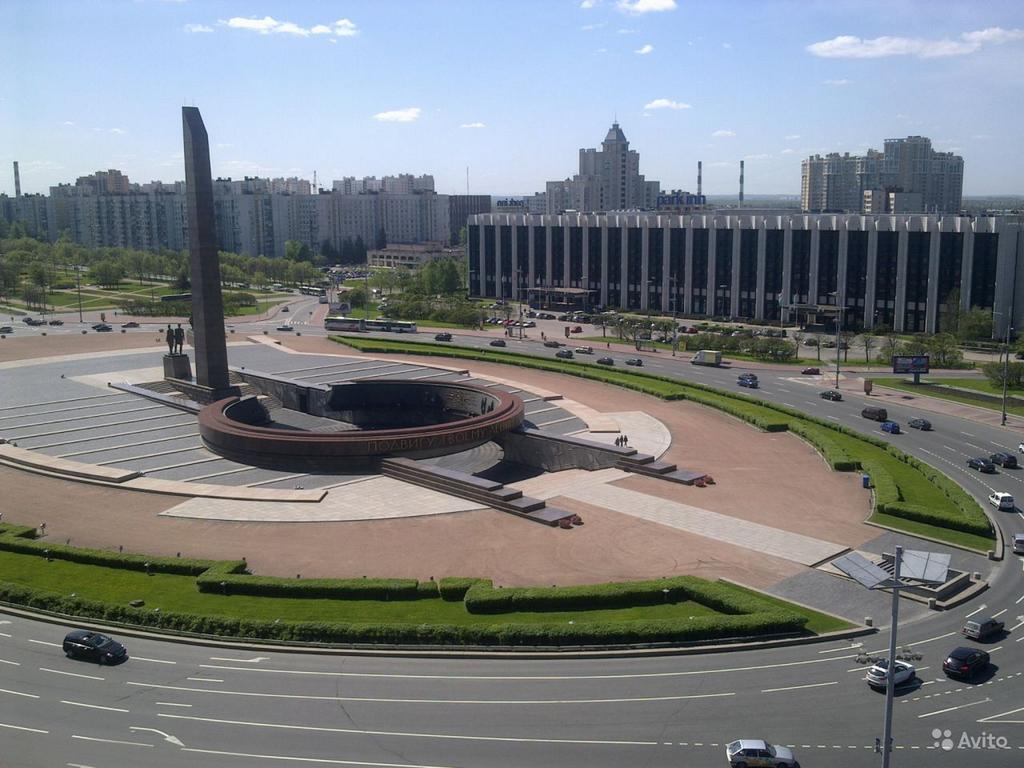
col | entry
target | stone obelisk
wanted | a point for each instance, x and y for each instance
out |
(207, 304)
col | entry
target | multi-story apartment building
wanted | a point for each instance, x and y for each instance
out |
(895, 271)
(838, 183)
(609, 179)
(460, 208)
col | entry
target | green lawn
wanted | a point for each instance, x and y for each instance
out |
(979, 385)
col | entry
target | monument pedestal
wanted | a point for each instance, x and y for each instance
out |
(177, 367)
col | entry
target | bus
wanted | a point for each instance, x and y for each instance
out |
(312, 290)
(394, 326)
(340, 323)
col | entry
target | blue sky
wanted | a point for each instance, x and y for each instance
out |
(510, 89)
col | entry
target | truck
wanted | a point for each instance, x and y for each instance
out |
(707, 357)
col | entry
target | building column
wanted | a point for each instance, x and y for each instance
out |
(497, 263)
(787, 273)
(901, 277)
(762, 244)
(841, 264)
(871, 276)
(645, 267)
(931, 310)
(604, 264)
(566, 258)
(688, 270)
(531, 280)
(711, 300)
(734, 287)
(481, 277)
(514, 282)
(668, 301)
(812, 270)
(624, 267)
(967, 266)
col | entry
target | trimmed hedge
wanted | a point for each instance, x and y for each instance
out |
(483, 598)
(593, 633)
(220, 582)
(23, 543)
(454, 588)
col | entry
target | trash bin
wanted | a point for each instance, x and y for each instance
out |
(865, 481)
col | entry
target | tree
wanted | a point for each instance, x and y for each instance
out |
(818, 338)
(798, 338)
(358, 297)
(463, 235)
(890, 344)
(1014, 374)
(949, 312)
(867, 342)
(32, 295)
(846, 341)
(975, 325)
(944, 351)
(10, 276)
(297, 251)
(107, 273)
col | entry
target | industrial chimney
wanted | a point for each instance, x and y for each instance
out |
(17, 180)
(741, 183)
(700, 182)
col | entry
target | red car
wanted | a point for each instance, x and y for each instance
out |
(811, 372)
(577, 329)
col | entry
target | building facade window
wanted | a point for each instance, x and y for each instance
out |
(983, 273)
(748, 271)
(773, 298)
(699, 287)
(594, 258)
(723, 272)
(885, 279)
(801, 266)
(490, 263)
(655, 264)
(540, 257)
(915, 306)
(505, 275)
(614, 265)
(951, 247)
(828, 266)
(558, 275)
(634, 267)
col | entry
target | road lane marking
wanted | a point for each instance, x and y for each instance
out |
(170, 704)
(253, 660)
(111, 741)
(410, 734)
(993, 718)
(919, 642)
(205, 679)
(318, 760)
(798, 687)
(951, 709)
(19, 693)
(22, 728)
(997, 615)
(12, 663)
(977, 610)
(92, 706)
(70, 674)
(967, 434)
(44, 642)
(167, 737)
(509, 702)
(534, 678)
(152, 661)
(846, 648)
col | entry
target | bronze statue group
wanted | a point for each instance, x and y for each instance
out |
(175, 338)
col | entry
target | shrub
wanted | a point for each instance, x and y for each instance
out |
(336, 589)
(453, 588)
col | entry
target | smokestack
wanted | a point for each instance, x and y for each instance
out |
(741, 183)
(700, 174)
(17, 180)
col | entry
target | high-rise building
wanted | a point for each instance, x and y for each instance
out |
(609, 179)
(838, 183)
(460, 208)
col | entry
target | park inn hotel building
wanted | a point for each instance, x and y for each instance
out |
(885, 270)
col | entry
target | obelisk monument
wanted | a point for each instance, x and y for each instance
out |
(207, 304)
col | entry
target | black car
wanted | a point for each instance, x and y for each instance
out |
(92, 646)
(442, 337)
(748, 380)
(102, 328)
(497, 342)
(553, 344)
(56, 322)
(285, 328)
(1004, 460)
(605, 361)
(565, 354)
(965, 662)
(811, 371)
(635, 361)
(832, 394)
(130, 324)
(981, 464)
(923, 424)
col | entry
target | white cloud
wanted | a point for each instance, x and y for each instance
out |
(592, 27)
(197, 28)
(852, 47)
(762, 156)
(118, 131)
(407, 115)
(645, 49)
(625, 31)
(71, 123)
(646, 6)
(727, 46)
(666, 104)
(788, 151)
(793, 137)
(722, 132)
(601, 50)
(840, 81)
(588, 4)
(473, 125)
(978, 136)
(269, 25)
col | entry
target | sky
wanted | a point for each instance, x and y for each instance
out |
(510, 89)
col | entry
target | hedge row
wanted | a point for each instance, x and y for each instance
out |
(483, 598)
(454, 588)
(22, 541)
(546, 634)
(217, 581)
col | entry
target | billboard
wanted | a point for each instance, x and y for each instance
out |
(910, 364)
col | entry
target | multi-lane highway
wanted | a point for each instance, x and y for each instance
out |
(174, 704)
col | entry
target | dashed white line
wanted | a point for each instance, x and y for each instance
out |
(951, 709)
(205, 679)
(19, 693)
(152, 661)
(22, 728)
(70, 674)
(111, 741)
(44, 642)
(170, 704)
(92, 706)
(799, 687)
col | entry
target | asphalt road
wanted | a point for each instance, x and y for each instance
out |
(174, 704)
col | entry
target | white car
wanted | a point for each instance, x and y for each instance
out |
(748, 753)
(876, 676)
(584, 350)
(1002, 501)
(1018, 543)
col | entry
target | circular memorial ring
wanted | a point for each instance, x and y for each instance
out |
(491, 413)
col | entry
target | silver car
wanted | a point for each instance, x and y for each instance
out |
(903, 673)
(1018, 543)
(755, 753)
